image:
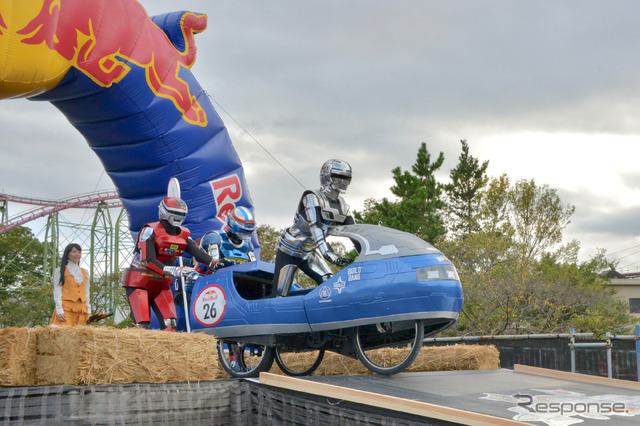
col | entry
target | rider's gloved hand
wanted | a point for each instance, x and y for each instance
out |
(345, 261)
(336, 259)
(217, 264)
(186, 270)
(176, 271)
(226, 262)
(170, 270)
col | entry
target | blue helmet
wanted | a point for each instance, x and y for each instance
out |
(241, 223)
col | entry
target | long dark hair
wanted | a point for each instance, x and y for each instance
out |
(65, 259)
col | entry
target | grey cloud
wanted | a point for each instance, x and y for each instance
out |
(621, 221)
(368, 81)
(596, 213)
(631, 179)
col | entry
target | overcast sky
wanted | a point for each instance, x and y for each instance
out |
(543, 90)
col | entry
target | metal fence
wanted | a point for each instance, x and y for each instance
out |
(555, 351)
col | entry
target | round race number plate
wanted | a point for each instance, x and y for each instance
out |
(210, 305)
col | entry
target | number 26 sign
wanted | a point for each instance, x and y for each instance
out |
(210, 305)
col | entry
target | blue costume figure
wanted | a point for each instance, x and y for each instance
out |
(225, 246)
(231, 245)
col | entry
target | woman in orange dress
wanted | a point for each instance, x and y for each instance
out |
(71, 289)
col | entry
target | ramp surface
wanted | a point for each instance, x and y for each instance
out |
(525, 394)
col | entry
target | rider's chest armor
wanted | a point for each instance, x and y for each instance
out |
(169, 246)
(332, 211)
(230, 251)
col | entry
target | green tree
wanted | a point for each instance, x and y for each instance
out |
(538, 218)
(108, 295)
(268, 237)
(576, 294)
(468, 179)
(420, 205)
(495, 207)
(557, 294)
(24, 299)
(513, 279)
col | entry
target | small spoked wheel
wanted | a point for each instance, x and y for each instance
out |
(243, 360)
(298, 362)
(372, 344)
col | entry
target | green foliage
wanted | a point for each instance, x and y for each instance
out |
(584, 300)
(125, 323)
(464, 193)
(21, 257)
(268, 237)
(555, 294)
(504, 242)
(29, 306)
(538, 218)
(495, 207)
(108, 295)
(25, 300)
(420, 205)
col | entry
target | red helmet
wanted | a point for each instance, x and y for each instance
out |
(173, 210)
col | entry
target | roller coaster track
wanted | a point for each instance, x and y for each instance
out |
(46, 207)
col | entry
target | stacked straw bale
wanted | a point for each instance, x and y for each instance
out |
(17, 356)
(101, 355)
(430, 358)
(97, 355)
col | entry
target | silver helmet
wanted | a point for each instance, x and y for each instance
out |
(335, 177)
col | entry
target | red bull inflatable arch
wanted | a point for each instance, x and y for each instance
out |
(123, 80)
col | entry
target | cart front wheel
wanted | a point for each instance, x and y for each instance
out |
(371, 343)
(298, 362)
(243, 360)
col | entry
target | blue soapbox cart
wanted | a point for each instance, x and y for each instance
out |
(398, 291)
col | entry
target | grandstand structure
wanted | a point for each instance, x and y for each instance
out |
(97, 221)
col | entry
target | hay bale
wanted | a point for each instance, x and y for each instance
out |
(430, 358)
(99, 355)
(57, 354)
(457, 357)
(17, 356)
(334, 364)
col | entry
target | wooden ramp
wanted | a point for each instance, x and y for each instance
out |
(524, 395)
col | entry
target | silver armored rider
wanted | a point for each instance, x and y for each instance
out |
(303, 245)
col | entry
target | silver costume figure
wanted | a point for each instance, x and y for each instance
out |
(303, 244)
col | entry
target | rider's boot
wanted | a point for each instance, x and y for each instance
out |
(142, 324)
(233, 362)
(170, 324)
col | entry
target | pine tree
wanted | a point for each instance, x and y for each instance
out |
(420, 205)
(468, 179)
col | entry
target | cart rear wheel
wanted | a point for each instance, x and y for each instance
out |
(243, 359)
(298, 362)
(406, 337)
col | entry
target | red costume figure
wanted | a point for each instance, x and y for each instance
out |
(148, 280)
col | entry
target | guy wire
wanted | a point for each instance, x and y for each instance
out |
(254, 139)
